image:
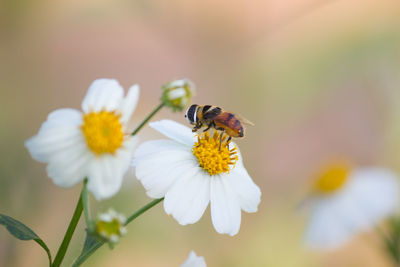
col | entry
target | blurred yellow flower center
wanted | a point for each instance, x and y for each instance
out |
(106, 229)
(103, 131)
(332, 179)
(210, 157)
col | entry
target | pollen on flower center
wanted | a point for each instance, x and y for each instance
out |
(210, 157)
(332, 178)
(103, 131)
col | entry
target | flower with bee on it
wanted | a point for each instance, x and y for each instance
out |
(345, 201)
(177, 94)
(92, 144)
(190, 171)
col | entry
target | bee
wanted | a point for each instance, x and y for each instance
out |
(217, 118)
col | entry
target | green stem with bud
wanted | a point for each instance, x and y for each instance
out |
(99, 244)
(147, 118)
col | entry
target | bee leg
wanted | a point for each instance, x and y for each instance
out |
(220, 140)
(208, 128)
(227, 141)
(220, 137)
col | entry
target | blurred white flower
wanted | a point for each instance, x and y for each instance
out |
(92, 144)
(177, 94)
(194, 261)
(111, 226)
(190, 171)
(348, 201)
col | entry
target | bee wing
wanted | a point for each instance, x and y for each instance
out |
(212, 113)
(243, 120)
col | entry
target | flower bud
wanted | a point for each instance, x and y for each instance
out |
(177, 94)
(111, 226)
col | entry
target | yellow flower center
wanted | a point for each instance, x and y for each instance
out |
(332, 179)
(103, 131)
(210, 157)
(107, 229)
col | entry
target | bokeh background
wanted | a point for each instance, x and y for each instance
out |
(319, 78)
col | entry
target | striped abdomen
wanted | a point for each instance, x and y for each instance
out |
(232, 126)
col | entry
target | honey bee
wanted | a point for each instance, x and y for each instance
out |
(217, 118)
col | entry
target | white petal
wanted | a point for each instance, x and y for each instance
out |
(60, 131)
(194, 261)
(103, 94)
(70, 167)
(188, 198)
(327, 227)
(154, 146)
(106, 172)
(175, 131)
(249, 194)
(158, 171)
(177, 83)
(129, 103)
(64, 116)
(176, 93)
(225, 209)
(128, 145)
(377, 190)
(105, 179)
(370, 195)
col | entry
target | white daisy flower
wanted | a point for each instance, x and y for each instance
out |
(190, 171)
(348, 201)
(194, 261)
(93, 143)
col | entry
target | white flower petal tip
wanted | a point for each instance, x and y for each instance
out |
(175, 131)
(129, 104)
(180, 170)
(103, 94)
(225, 209)
(194, 261)
(369, 196)
(91, 144)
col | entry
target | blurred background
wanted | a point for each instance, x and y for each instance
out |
(319, 78)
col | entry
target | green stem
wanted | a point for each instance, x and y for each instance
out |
(68, 235)
(85, 203)
(86, 254)
(147, 119)
(143, 209)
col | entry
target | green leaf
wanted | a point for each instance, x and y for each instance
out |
(23, 232)
(92, 243)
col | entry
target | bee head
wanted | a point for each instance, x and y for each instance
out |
(191, 114)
